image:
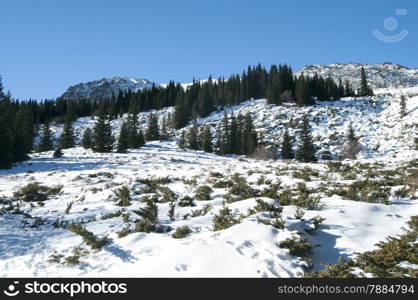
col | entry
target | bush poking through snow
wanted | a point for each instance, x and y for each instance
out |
(123, 196)
(88, 237)
(149, 216)
(34, 192)
(201, 212)
(186, 201)
(225, 219)
(297, 246)
(203, 192)
(181, 232)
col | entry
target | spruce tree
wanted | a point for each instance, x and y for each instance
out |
(192, 140)
(45, 143)
(140, 140)
(6, 133)
(24, 133)
(123, 140)
(306, 149)
(102, 133)
(87, 141)
(287, 151)
(67, 139)
(153, 131)
(273, 88)
(352, 144)
(182, 141)
(58, 152)
(250, 140)
(402, 105)
(365, 90)
(207, 140)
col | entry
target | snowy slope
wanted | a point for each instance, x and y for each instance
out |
(379, 75)
(105, 88)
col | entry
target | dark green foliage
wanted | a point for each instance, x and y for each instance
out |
(225, 219)
(203, 192)
(181, 232)
(352, 144)
(87, 141)
(123, 140)
(149, 216)
(102, 136)
(207, 140)
(186, 201)
(88, 237)
(58, 152)
(45, 143)
(24, 133)
(192, 138)
(153, 131)
(365, 90)
(297, 246)
(123, 196)
(34, 192)
(287, 151)
(306, 149)
(67, 139)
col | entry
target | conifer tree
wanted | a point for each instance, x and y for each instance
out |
(273, 88)
(102, 134)
(207, 140)
(403, 106)
(67, 139)
(87, 140)
(303, 92)
(365, 90)
(58, 152)
(287, 151)
(182, 141)
(352, 143)
(45, 143)
(306, 148)
(192, 140)
(24, 133)
(250, 140)
(123, 140)
(6, 133)
(153, 131)
(140, 141)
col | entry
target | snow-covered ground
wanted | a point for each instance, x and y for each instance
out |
(247, 249)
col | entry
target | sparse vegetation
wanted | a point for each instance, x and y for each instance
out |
(34, 192)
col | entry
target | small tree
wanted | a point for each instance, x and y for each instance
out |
(123, 140)
(153, 132)
(403, 106)
(207, 140)
(58, 152)
(287, 151)
(67, 139)
(45, 143)
(192, 141)
(87, 141)
(352, 144)
(182, 141)
(306, 148)
(365, 90)
(103, 139)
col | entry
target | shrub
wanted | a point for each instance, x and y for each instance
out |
(186, 201)
(74, 259)
(203, 192)
(225, 219)
(149, 216)
(88, 237)
(124, 232)
(297, 246)
(68, 208)
(123, 196)
(34, 192)
(274, 209)
(201, 212)
(181, 232)
(167, 195)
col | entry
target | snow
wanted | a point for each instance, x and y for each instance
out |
(247, 249)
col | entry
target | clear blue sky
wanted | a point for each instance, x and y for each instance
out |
(48, 45)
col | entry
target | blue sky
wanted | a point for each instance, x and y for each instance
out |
(48, 45)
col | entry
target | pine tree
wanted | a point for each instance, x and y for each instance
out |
(24, 133)
(87, 141)
(67, 139)
(207, 140)
(287, 151)
(192, 140)
(306, 148)
(153, 132)
(140, 141)
(403, 106)
(45, 143)
(58, 152)
(365, 90)
(6, 133)
(273, 88)
(250, 140)
(102, 136)
(352, 144)
(123, 140)
(303, 92)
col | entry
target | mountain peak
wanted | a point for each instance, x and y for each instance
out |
(105, 87)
